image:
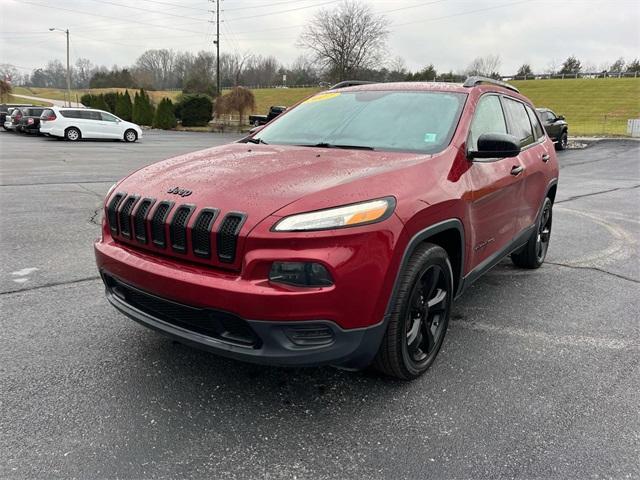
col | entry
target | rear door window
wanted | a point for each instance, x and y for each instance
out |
(519, 124)
(89, 115)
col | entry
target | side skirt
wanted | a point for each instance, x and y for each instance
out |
(517, 242)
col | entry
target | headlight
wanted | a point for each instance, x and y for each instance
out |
(339, 217)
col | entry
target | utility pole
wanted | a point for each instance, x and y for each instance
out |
(68, 70)
(68, 67)
(217, 44)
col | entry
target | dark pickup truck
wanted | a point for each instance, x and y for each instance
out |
(274, 111)
(556, 127)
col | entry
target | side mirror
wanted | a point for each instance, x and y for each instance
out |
(560, 117)
(496, 145)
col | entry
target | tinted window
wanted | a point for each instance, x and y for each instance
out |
(383, 120)
(32, 112)
(519, 123)
(488, 118)
(90, 115)
(107, 117)
(537, 128)
(47, 113)
(70, 113)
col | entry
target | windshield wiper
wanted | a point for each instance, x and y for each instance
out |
(332, 145)
(256, 140)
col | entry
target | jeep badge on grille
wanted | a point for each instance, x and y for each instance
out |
(183, 192)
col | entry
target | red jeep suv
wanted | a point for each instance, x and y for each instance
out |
(341, 232)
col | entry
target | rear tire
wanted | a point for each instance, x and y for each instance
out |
(72, 134)
(532, 255)
(563, 141)
(130, 136)
(419, 315)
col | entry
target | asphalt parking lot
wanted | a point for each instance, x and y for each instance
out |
(539, 376)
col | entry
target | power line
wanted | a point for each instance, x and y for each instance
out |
(25, 2)
(478, 10)
(282, 11)
(148, 11)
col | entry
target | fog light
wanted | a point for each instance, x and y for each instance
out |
(300, 274)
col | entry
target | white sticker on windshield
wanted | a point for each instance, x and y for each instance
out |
(430, 137)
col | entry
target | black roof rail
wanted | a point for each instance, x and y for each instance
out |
(349, 83)
(477, 80)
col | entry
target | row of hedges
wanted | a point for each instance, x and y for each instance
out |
(192, 109)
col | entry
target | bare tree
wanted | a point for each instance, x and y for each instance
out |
(239, 99)
(487, 66)
(5, 90)
(83, 72)
(346, 40)
(157, 65)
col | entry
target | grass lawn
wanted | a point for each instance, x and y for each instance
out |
(592, 106)
(598, 106)
(14, 99)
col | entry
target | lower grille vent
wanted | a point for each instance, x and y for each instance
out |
(212, 323)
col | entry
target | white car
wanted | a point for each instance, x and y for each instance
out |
(77, 123)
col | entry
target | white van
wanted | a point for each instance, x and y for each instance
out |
(78, 123)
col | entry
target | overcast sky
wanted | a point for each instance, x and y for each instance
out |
(447, 33)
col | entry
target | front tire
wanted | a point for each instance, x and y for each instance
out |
(419, 315)
(532, 255)
(130, 136)
(563, 141)
(72, 134)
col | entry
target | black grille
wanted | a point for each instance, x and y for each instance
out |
(201, 232)
(178, 228)
(124, 216)
(158, 236)
(211, 323)
(139, 221)
(112, 212)
(228, 236)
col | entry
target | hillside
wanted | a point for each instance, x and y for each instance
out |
(599, 106)
(591, 106)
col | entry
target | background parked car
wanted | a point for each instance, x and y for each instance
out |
(556, 126)
(5, 112)
(30, 121)
(12, 122)
(274, 111)
(78, 123)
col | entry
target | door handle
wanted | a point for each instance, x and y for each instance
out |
(517, 170)
(545, 157)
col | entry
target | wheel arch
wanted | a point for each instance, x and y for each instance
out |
(448, 234)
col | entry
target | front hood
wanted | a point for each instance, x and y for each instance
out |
(258, 179)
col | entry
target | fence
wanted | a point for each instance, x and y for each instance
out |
(565, 76)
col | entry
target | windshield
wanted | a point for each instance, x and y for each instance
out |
(380, 120)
